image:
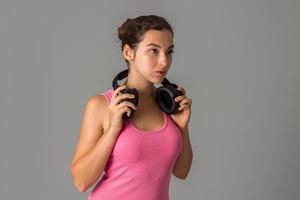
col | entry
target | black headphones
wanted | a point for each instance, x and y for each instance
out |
(165, 95)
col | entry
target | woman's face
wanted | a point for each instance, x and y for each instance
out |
(153, 54)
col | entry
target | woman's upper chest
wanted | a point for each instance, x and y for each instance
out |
(149, 119)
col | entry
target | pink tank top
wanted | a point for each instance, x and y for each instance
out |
(141, 163)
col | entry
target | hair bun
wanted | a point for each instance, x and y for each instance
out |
(123, 28)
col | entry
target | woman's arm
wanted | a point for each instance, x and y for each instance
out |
(94, 146)
(184, 161)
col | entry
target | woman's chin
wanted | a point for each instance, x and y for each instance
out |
(158, 79)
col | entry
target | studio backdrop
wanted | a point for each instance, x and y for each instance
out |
(239, 61)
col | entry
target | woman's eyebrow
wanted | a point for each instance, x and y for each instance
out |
(156, 45)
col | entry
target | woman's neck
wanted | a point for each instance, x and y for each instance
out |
(145, 89)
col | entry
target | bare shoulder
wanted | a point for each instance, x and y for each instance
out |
(97, 103)
(96, 109)
(92, 125)
(97, 99)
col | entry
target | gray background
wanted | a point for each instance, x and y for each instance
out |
(238, 60)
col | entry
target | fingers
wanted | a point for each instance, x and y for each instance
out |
(122, 97)
(116, 92)
(186, 103)
(181, 89)
(182, 97)
(120, 103)
(128, 112)
(118, 97)
(125, 109)
(126, 104)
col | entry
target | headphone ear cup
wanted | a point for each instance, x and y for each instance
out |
(165, 97)
(134, 100)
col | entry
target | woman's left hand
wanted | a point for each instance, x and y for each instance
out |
(182, 117)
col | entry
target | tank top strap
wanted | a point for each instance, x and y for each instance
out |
(108, 94)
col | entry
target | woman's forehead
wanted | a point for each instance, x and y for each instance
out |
(158, 38)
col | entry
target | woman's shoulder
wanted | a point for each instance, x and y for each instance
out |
(108, 94)
(101, 99)
(97, 106)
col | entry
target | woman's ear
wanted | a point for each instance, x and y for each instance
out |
(128, 53)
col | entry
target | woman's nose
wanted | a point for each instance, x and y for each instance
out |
(163, 60)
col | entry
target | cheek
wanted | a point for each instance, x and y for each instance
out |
(148, 61)
(170, 59)
(145, 65)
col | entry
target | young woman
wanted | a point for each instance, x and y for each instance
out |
(138, 154)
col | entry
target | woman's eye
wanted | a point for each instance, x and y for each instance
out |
(171, 51)
(153, 50)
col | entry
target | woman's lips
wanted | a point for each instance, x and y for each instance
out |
(162, 73)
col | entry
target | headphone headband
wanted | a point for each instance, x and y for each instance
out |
(124, 74)
(165, 95)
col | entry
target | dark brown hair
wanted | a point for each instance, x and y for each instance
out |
(131, 32)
